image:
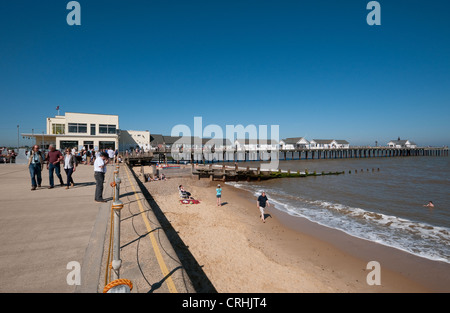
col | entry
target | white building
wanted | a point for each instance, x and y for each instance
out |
(131, 139)
(90, 131)
(329, 144)
(401, 144)
(256, 144)
(80, 130)
(294, 143)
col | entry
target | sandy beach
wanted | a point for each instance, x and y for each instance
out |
(240, 254)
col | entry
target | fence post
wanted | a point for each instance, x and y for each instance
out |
(117, 207)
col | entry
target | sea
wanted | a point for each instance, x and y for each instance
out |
(377, 199)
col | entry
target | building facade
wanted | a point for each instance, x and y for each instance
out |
(80, 131)
(132, 139)
(401, 144)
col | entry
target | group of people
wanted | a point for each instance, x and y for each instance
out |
(88, 156)
(54, 159)
(156, 177)
(7, 155)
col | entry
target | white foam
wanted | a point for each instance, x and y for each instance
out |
(418, 238)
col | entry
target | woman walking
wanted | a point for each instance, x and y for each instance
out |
(70, 165)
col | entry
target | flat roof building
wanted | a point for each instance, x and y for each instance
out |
(81, 131)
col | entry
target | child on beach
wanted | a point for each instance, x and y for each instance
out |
(219, 195)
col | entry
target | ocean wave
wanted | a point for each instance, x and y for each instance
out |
(418, 238)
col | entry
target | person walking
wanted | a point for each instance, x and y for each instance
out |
(110, 152)
(35, 166)
(261, 204)
(219, 195)
(99, 175)
(54, 157)
(88, 157)
(70, 165)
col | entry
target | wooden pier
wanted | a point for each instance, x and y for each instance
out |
(221, 155)
(236, 173)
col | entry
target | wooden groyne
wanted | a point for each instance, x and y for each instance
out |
(236, 173)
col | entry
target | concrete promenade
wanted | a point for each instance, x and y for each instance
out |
(42, 231)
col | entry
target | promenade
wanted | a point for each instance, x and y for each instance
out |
(42, 231)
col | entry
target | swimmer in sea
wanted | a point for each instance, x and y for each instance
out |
(429, 205)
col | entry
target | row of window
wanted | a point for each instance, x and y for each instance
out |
(87, 145)
(80, 128)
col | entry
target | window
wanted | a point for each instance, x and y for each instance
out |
(88, 145)
(107, 129)
(92, 129)
(77, 128)
(68, 144)
(107, 145)
(58, 129)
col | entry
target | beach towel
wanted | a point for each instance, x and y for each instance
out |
(189, 201)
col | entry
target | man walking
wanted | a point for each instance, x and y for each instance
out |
(35, 165)
(99, 175)
(54, 157)
(261, 204)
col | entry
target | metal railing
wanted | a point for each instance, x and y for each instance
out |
(117, 285)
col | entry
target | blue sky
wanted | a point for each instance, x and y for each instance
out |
(313, 67)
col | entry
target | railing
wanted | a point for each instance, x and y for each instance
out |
(116, 285)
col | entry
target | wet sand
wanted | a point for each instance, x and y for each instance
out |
(240, 254)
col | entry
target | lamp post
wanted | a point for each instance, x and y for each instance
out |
(17, 138)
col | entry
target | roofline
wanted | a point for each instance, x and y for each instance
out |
(90, 114)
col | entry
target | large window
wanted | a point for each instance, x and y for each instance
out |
(107, 145)
(68, 144)
(77, 128)
(58, 129)
(107, 129)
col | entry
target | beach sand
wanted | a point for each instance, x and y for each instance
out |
(240, 254)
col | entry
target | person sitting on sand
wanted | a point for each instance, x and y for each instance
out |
(429, 205)
(183, 193)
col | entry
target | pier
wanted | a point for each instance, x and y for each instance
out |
(234, 155)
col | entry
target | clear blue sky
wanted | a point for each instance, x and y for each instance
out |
(313, 67)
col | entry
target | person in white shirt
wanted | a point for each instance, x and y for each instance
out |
(99, 175)
(111, 155)
(70, 166)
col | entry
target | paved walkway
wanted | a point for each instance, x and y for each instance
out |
(42, 231)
